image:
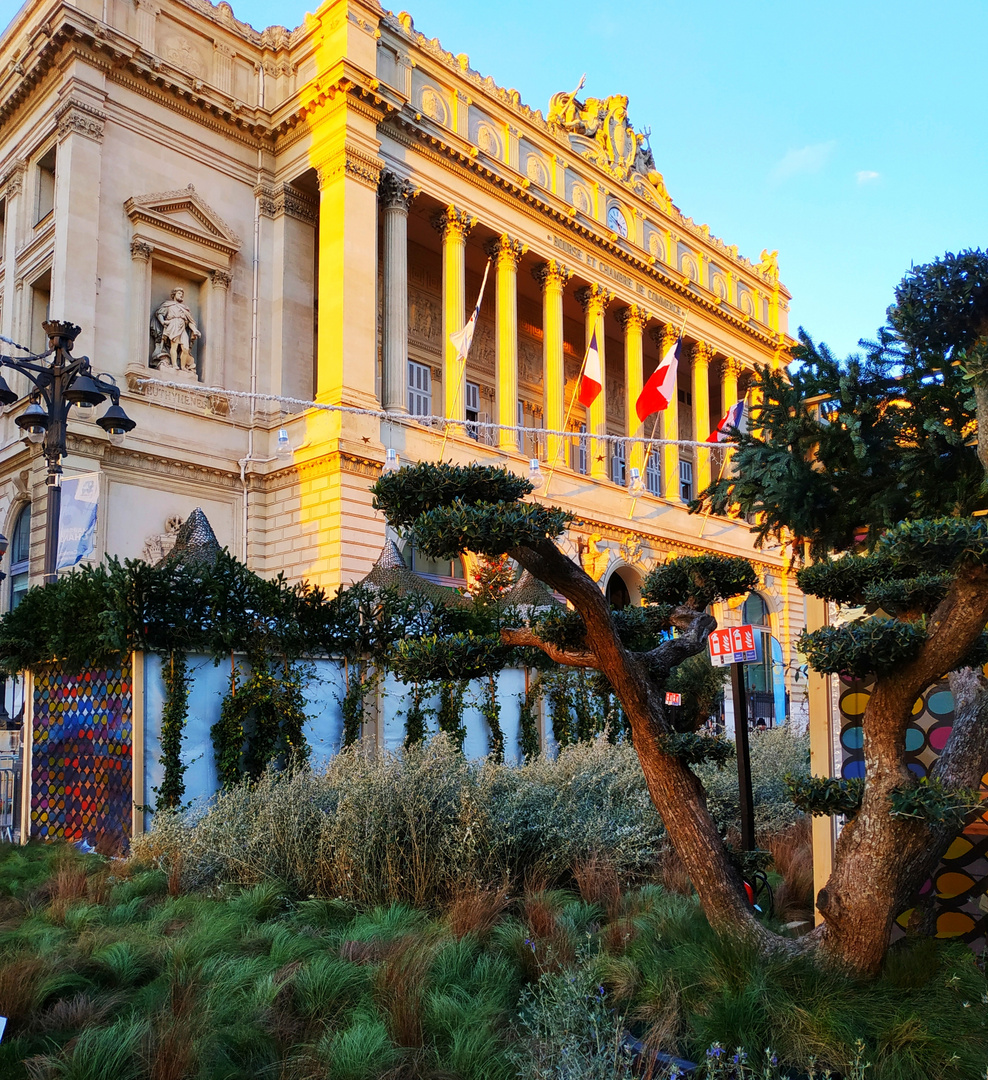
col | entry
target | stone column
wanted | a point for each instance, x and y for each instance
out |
(74, 286)
(140, 310)
(701, 413)
(346, 345)
(594, 300)
(395, 195)
(213, 357)
(664, 338)
(634, 319)
(11, 187)
(506, 255)
(729, 382)
(453, 225)
(553, 276)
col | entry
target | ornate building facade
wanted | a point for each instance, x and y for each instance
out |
(274, 233)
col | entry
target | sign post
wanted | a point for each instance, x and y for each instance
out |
(737, 646)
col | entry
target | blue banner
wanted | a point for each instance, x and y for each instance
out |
(77, 520)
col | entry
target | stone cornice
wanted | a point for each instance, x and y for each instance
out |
(516, 191)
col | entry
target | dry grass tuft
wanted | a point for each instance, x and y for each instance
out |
(19, 983)
(598, 882)
(399, 987)
(552, 945)
(476, 910)
(618, 935)
(792, 854)
(672, 873)
(661, 1013)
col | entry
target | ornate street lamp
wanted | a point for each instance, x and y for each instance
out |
(59, 383)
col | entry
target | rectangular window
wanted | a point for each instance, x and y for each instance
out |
(619, 462)
(419, 389)
(685, 397)
(46, 185)
(653, 473)
(472, 409)
(686, 480)
(580, 452)
(40, 304)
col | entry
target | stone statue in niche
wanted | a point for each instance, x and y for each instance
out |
(173, 329)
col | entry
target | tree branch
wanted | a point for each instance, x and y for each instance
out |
(694, 627)
(528, 638)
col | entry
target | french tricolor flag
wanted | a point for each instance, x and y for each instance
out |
(661, 386)
(733, 418)
(593, 378)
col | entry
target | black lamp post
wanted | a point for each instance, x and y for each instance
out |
(60, 381)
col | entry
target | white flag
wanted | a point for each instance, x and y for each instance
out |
(463, 339)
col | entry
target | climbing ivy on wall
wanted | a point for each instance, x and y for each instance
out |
(175, 676)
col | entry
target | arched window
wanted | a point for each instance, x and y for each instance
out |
(755, 611)
(20, 556)
(760, 678)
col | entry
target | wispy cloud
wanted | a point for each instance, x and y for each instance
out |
(808, 159)
(866, 176)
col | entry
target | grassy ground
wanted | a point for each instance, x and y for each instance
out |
(110, 971)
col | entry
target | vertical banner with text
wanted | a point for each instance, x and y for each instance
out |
(77, 520)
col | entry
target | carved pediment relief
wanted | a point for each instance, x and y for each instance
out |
(185, 214)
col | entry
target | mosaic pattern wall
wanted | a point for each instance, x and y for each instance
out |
(961, 879)
(82, 762)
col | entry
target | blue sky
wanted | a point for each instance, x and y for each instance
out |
(849, 135)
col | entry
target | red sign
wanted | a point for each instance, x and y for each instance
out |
(734, 645)
(673, 699)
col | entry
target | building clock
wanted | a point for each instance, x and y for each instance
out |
(615, 221)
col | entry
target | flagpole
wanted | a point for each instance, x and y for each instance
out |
(723, 465)
(655, 424)
(572, 402)
(463, 362)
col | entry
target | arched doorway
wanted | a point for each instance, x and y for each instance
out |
(624, 588)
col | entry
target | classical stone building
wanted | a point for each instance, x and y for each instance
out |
(311, 212)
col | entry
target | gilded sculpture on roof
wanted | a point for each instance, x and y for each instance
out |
(600, 129)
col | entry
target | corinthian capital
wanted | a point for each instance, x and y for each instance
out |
(502, 249)
(702, 352)
(452, 223)
(552, 274)
(635, 316)
(663, 336)
(594, 298)
(733, 366)
(394, 192)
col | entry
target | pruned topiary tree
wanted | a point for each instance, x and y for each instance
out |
(876, 467)
(445, 510)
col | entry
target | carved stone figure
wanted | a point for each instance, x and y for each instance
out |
(173, 330)
(769, 265)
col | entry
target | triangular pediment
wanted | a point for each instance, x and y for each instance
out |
(184, 213)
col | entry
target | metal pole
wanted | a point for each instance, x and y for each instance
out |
(746, 796)
(54, 452)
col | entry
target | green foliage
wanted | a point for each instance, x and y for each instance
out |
(825, 796)
(129, 981)
(449, 715)
(494, 576)
(94, 614)
(358, 685)
(455, 656)
(486, 528)
(863, 648)
(907, 595)
(838, 451)
(933, 803)
(416, 717)
(490, 709)
(261, 722)
(942, 307)
(416, 489)
(695, 749)
(696, 581)
(702, 688)
(937, 543)
(528, 724)
(175, 676)
(844, 580)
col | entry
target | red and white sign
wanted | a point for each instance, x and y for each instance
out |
(733, 645)
(673, 699)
